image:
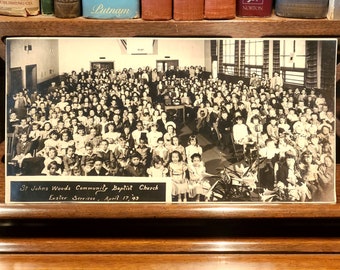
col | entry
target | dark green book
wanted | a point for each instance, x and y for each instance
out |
(47, 7)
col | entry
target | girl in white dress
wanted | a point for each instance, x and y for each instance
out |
(198, 185)
(177, 171)
(192, 148)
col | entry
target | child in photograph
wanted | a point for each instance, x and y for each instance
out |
(53, 169)
(53, 119)
(87, 160)
(80, 139)
(98, 169)
(34, 133)
(65, 142)
(272, 129)
(22, 149)
(77, 171)
(135, 167)
(46, 129)
(94, 138)
(121, 154)
(176, 146)
(111, 135)
(309, 174)
(240, 132)
(137, 133)
(201, 116)
(23, 127)
(170, 132)
(268, 168)
(51, 155)
(224, 125)
(192, 148)
(34, 136)
(107, 156)
(177, 171)
(157, 169)
(161, 150)
(326, 179)
(52, 141)
(145, 152)
(197, 185)
(13, 122)
(70, 160)
(153, 135)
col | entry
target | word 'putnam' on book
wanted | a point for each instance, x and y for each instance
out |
(111, 9)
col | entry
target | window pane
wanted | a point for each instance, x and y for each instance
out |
(229, 70)
(293, 53)
(294, 77)
(254, 52)
(229, 51)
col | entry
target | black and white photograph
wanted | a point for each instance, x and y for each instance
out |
(170, 120)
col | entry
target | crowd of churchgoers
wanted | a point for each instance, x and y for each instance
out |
(115, 123)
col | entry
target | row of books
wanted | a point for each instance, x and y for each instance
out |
(181, 10)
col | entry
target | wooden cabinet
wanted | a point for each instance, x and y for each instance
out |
(97, 236)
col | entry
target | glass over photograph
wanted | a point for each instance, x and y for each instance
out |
(170, 120)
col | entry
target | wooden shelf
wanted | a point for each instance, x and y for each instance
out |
(166, 211)
(169, 261)
(237, 28)
(161, 245)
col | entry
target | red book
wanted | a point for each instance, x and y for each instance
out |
(156, 10)
(254, 8)
(188, 10)
(220, 9)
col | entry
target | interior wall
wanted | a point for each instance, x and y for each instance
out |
(44, 53)
(78, 53)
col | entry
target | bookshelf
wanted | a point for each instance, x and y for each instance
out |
(201, 235)
(237, 28)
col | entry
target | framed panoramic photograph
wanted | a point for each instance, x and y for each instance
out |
(170, 120)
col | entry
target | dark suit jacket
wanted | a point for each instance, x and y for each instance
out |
(93, 172)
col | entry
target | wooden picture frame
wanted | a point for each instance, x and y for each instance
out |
(232, 178)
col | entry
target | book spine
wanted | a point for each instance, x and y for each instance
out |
(219, 9)
(334, 10)
(111, 9)
(156, 10)
(67, 8)
(306, 9)
(20, 8)
(46, 7)
(188, 10)
(254, 8)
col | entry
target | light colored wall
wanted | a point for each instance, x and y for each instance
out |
(78, 53)
(44, 53)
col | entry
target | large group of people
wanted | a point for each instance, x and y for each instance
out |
(115, 123)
